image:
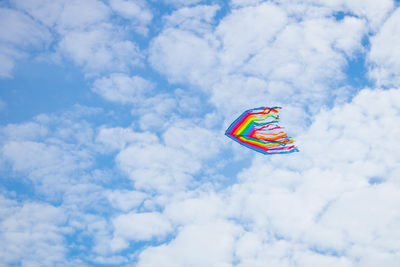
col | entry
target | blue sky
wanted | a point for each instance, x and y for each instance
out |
(112, 121)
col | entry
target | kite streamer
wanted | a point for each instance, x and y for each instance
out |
(258, 129)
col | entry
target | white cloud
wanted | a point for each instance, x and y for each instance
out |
(303, 72)
(169, 166)
(81, 14)
(374, 12)
(181, 2)
(253, 252)
(28, 160)
(384, 55)
(136, 11)
(308, 258)
(48, 166)
(45, 11)
(24, 131)
(197, 208)
(86, 34)
(156, 112)
(270, 53)
(186, 53)
(195, 245)
(99, 50)
(49, 149)
(63, 15)
(17, 33)
(121, 88)
(117, 138)
(138, 227)
(367, 216)
(159, 111)
(332, 204)
(192, 139)
(316, 207)
(157, 167)
(56, 153)
(33, 232)
(196, 19)
(325, 188)
(241, 3)
(20, 30)
(126, 200)
(246, 31)
(182, 56)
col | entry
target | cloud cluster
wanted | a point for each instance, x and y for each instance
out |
(267, 54)
(169, 164)
(122, 88)
(33, 233)
(84, 32)
(333, 204)
(165, 187)
(62, 143)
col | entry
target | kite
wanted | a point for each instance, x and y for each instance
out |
(258, 129)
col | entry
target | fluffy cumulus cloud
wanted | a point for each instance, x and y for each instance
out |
(53, 149)
(172, 52)
(196, 245)
(130, 166)
(122, 88)
(138, 227)
(374, 12)
(171, 163)
(83, 31)
(34, 234)
(99, 49)
(135, 11)
(335, 208)
(253, 47)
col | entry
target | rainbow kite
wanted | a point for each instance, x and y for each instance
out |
(258, 129)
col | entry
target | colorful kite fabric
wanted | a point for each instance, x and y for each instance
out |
(258, 129)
